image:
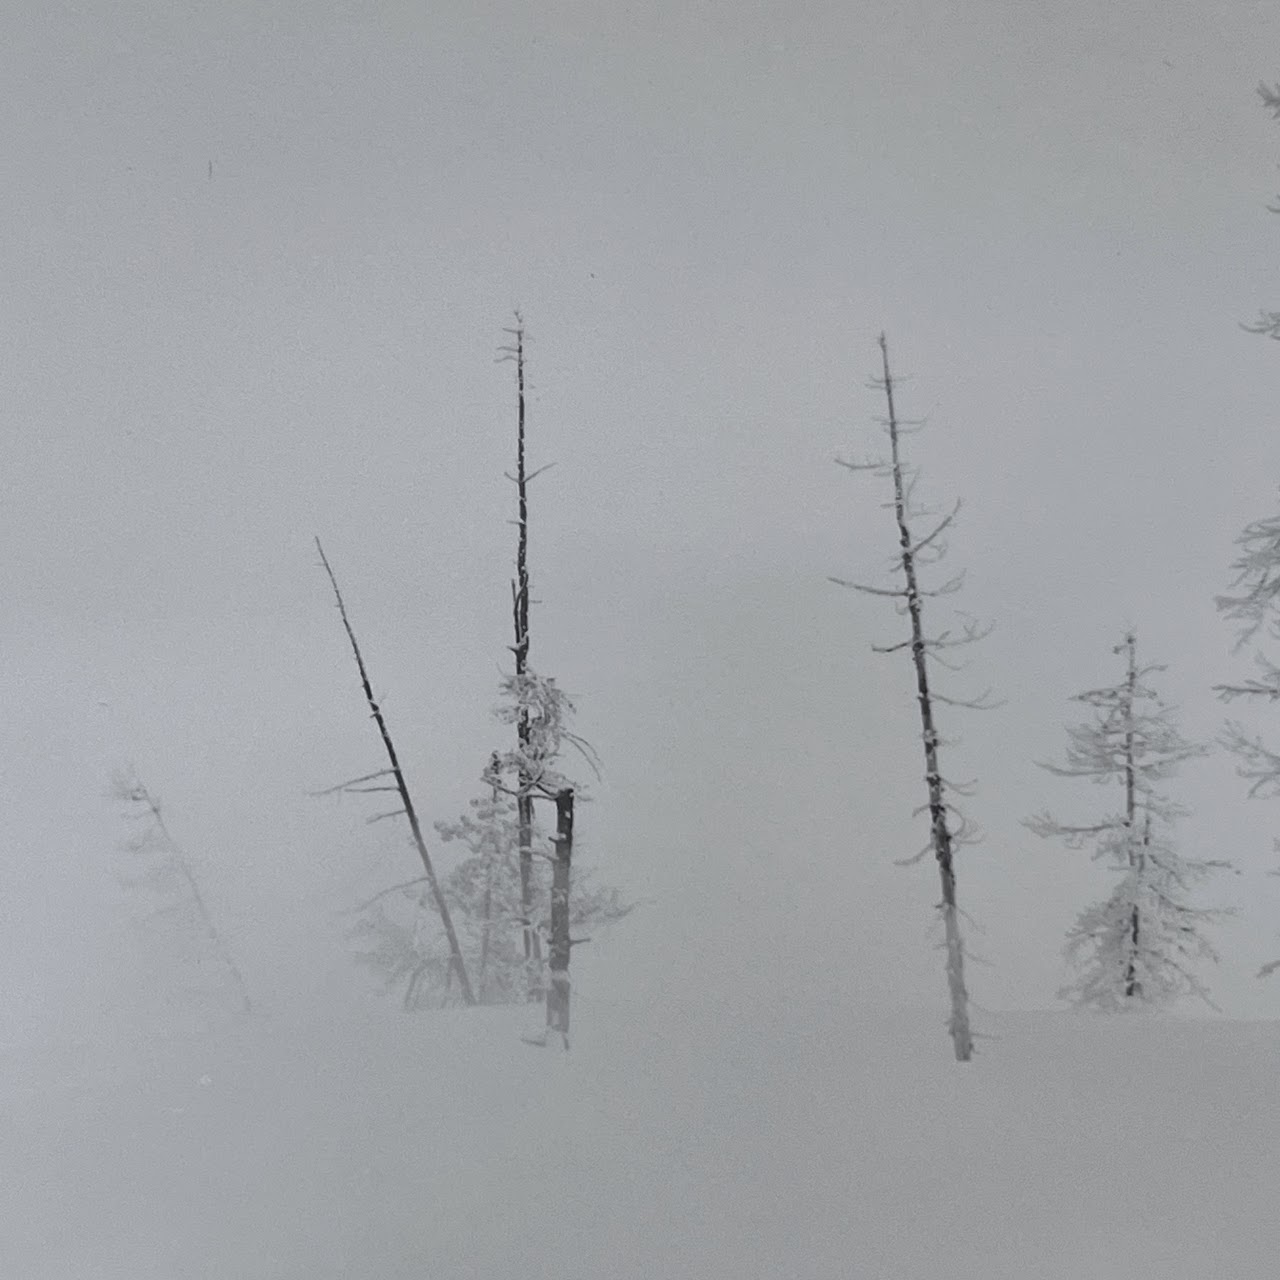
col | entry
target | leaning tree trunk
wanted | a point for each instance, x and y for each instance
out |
(402, 787)
(558, 990)
(940, 829)
(179, 859)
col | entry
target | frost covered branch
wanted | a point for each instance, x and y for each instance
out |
(1139, 943)
(948, 827)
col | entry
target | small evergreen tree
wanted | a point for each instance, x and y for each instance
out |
(1253, 605)
(1141, 944)
(487, 892)
(494, 904)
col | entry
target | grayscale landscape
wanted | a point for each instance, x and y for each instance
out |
(639, 640)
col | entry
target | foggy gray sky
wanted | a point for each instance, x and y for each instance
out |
(707, 213)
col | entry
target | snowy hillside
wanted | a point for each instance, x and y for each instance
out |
(686, 1142)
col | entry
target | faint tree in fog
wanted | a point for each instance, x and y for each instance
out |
(168, 873)
(488, 892)
(1141, 944)
(1268, 322)
(377, 782)
(948, 827)
(1253, 606)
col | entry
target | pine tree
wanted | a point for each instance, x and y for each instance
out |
(1141, 944)
(492, 904)
(1253, 605)
(487, 892)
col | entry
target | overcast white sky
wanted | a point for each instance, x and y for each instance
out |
(707, 212)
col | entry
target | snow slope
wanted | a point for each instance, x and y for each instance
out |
(700, 1142)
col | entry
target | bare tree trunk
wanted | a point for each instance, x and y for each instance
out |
(1132, 987)
(402, 787)
(958, 1025)
(520, 603)
(559, 990)
(490, 871)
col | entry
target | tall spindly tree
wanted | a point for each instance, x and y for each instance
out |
(392, 780)
(948, 828)
(1143, 942)
(525, 790)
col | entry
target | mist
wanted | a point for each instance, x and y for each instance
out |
(258, 266)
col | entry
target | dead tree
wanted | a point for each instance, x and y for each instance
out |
(947, 826)
(374, 782)
(520, 649)
(127, 787)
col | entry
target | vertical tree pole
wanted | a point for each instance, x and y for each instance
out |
(940, 828)
(559, 990)
(1132, 987)
(490, 872)
(402, 787)
(520, 611)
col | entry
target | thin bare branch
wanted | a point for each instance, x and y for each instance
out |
(415, 827)
(871, 591)
(945, 524)
(390, 813)
(346, 786)
(385, 893)
(878, 465)
(985, 701)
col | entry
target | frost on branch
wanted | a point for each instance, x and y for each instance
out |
(1141, 944)
(547, 710)
(1253, 602)
(917, 552)
(1117, 970)
(1253, 605)
(484, 891)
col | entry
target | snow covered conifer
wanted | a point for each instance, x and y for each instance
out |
(1141, 944)
(1254, 606)
(486, 891)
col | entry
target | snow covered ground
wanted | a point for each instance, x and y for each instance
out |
(697, 1141)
